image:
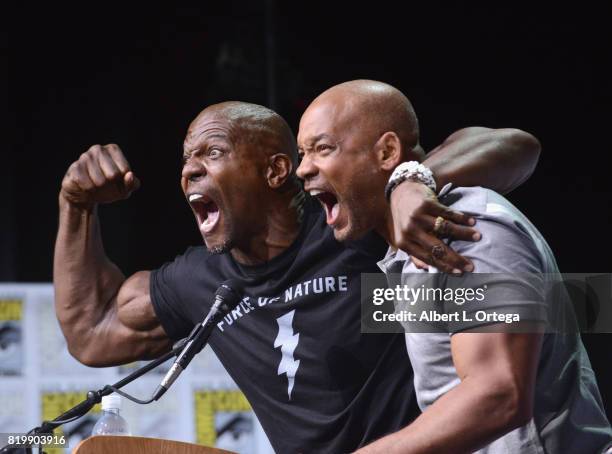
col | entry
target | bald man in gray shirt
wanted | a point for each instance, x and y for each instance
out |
(530, 390)
(568, 414)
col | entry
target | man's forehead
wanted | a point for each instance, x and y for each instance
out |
(207, 126)
(322, 120)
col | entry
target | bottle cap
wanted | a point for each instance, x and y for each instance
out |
(111, 401)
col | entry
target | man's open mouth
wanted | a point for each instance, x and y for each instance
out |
(206, 211)
(330, 204)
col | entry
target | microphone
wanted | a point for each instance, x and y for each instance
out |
(227, 297)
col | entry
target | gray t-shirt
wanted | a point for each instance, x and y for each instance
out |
(569, 416)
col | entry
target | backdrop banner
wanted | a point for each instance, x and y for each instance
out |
(39, 380)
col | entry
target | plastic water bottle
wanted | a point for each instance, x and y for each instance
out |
(111, 422)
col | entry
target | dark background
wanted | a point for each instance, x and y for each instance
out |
(136, 77)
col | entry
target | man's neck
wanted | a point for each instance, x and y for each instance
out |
(282, 226)
(385, 228)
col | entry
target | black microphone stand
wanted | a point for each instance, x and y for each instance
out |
(95, 397)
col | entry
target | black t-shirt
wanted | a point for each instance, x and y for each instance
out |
(294, 345)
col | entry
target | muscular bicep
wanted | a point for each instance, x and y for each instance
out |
(460, 134)
(130, 329)
(500, 159)
(135, 309)
(504, 362)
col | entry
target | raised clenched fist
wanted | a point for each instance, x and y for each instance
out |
(101, 175)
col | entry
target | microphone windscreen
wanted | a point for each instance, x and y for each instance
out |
(230, 292)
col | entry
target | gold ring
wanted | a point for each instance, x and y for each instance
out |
(438, 225)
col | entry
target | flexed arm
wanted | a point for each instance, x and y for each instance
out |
(106, 318)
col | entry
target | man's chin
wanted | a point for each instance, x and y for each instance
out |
(344, 234)
(352, 231)
(218, 247)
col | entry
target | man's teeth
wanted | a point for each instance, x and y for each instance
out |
(193, 197)
(315, 192)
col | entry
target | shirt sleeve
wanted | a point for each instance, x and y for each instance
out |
(168, 286)
(508, 272)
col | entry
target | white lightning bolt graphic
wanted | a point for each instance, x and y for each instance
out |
(287, 341)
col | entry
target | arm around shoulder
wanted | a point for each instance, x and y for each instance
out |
(499, 159)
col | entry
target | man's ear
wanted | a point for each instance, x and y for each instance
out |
(279, 169)
(389, 151)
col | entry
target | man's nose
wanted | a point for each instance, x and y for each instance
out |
(193, 171)
(306, 169)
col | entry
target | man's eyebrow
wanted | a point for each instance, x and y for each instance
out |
(319, 137)
(310, 142)
(194, 138)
